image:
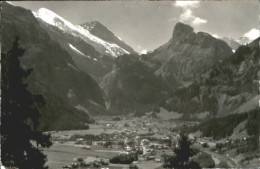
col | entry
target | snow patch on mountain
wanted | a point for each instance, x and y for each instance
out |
(79, 52)
(81, 108)
(216, 36)
(252, 34)
(144, 51)
(249, 36)
(71, 93)
(9, 3)
(75, 49)
(119, 38)
(73, 67)
(53, 19)
(93, 102)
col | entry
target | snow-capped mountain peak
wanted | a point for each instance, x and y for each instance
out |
(249, 36)
(54, 19)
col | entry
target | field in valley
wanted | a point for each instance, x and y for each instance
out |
(61, 154)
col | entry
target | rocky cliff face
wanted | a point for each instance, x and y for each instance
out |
(230, 87)
(187, 55)
(237, 80)
(69, 92)
(132, 87)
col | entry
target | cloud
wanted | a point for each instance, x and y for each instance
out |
(216, 36)
(199, 21)
(9, 2)
(187, 15)
(172, 19)
(187, 4)
(252, 34)
(144, 51)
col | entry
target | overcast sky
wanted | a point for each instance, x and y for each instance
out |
(147, 25)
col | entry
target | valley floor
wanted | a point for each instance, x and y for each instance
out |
(70, 145)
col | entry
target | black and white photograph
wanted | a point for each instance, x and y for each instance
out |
(120, 84)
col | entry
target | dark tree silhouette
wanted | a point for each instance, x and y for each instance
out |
(181, 159)
(21, 142)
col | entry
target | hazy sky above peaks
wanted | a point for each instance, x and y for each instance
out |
(146, 25)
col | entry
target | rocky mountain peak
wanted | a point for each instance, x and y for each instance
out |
(94, 25)
(98, 29)
(187, 54)
(181, 29)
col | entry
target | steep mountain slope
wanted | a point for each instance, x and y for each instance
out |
(70, 94)
(99, 30)
(174, 72)
(230, 87)
(231, 42)
(187, 55)
(244, 40)
(100, 45)
(85, 56)
(92, 54)
(238, 79)
(132, 87)
(192, 73)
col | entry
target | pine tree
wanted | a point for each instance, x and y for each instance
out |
(183, 152)
(21, 142)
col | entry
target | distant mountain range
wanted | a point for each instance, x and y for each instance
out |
(235, 43)
(85, 70)
(243, 40)
(232, 43)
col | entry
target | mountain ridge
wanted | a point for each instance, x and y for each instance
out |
(187, 54)
(102, 46)
(54, 73)
(192, 73)
(101, 31)
(229, 87)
